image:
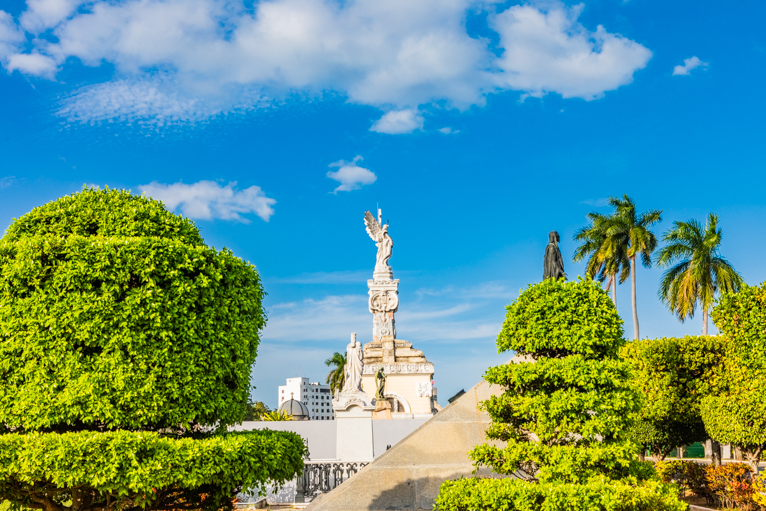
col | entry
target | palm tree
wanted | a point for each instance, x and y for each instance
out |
(277, 415)
(604, 260)
(336, 378)
(700, 272)
(628, 233)
(256, 410)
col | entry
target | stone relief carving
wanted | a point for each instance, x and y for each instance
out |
(383, 324)
(400, 368)
(424, 389)
(384, 300)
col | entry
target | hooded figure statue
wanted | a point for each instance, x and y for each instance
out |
(553, 266)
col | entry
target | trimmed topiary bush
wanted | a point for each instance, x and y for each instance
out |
(564, 414)
(125, 352)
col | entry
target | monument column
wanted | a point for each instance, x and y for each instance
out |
(353, 410)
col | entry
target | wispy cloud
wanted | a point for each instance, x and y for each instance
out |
(7, 181)
(688, 65)
(211, 57)
(208, 200)
(350, 175)
(334, 277)
(597, 203)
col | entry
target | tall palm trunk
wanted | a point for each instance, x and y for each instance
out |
(614, 290)
(704, 320)
(633, 295)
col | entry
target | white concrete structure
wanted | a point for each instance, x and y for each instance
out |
(316, 396)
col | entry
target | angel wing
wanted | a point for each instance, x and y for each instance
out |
(372, 226)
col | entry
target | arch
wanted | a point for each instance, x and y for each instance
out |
(404, 402)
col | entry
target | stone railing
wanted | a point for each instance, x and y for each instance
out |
(323, 476)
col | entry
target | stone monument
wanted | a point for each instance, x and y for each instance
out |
(353, 409)
(553, 264)
(408, 374)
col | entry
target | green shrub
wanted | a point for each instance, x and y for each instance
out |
(564, 415)
(672, 375)
(598, 494)
(689, 475)
(125, 351)
(736, 412)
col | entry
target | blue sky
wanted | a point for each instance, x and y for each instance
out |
(477, 126)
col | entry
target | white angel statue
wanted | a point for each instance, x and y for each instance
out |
(379, 234)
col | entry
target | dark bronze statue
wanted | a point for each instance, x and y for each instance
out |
(553, 266)
(380, 378)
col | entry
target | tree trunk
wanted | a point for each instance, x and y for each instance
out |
(614, 290)
(715, 453)
(633, 295)
(704, 321)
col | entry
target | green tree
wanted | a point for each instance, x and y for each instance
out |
(673, 376)
(736, 412)
(277, 415)
(125, 352)
(564, 414)
(256, 410)
(605, 260)
(628, 232)
(336, 378)
(699, 273)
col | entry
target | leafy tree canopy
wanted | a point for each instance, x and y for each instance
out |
(125, 349)
(672, 375)
(736, 413)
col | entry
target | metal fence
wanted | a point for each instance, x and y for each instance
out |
(322, 477)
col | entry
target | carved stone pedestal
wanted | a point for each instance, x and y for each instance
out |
(382, 409)
(353, 414)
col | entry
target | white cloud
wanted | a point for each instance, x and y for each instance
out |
(448, 131)
(33, 64)
(689, 64)
(188, 60)
(551, 52)
(43, 14)
(10, 36)
(350, 175)
(207, 200)
(397, 122)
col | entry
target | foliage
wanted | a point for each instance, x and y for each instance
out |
(125, 351)
(564, 412)
(256, 410)
(732, 485)
(600, 494)
(277, 415)
(736, 412)
(672, 375)
(759, 489)
(699, 273)
(689, 475)
(336, 378)
(136, 469)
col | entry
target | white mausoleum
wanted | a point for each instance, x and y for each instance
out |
(314, 395)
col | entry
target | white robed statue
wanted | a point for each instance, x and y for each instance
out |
(379, 233)
(354, 366)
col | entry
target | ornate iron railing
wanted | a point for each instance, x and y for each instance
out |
(322, 477)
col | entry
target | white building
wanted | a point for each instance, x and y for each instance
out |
(316, 396)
